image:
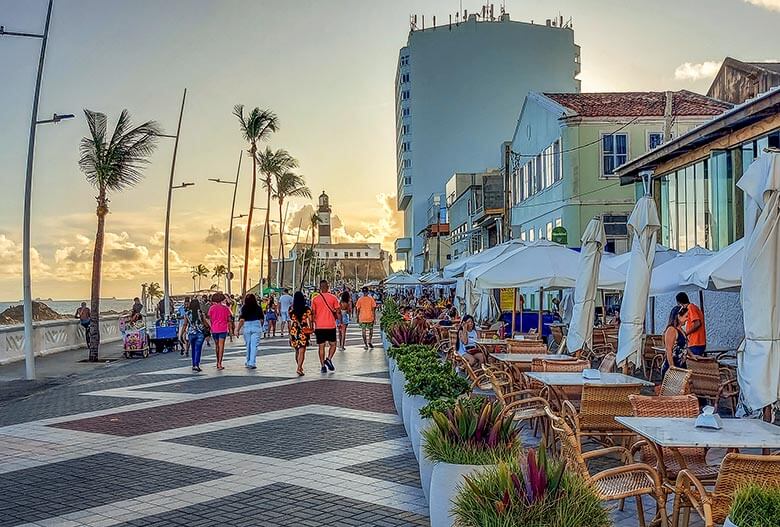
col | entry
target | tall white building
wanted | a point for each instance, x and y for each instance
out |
(459, 90)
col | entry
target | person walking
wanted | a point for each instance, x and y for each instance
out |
(85, 317)
(366, 315)
(271, 316)
(299, 328)
(694, 330)
(285, 303)
(195, 326)
(674, 339)
(181, 314)
(251, 320)
(233, 306)
(345, 305)
(325, 313)
(219, 315)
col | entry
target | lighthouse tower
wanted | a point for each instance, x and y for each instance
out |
(323, 211)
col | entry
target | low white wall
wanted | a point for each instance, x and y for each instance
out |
(53, 336)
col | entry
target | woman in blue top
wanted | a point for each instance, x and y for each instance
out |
(467, 343)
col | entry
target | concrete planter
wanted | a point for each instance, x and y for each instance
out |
(426, 470)
(412, 405)
(385, 342)
(729, 523)
(416, 426)
(397, 384)
(446, 481)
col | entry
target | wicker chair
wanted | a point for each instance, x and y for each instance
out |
(523, 404)
(712, 382)
(572, 393)
(479, 381)
(651, 358)
(607, 363)
(600, 345)
(631, 480)
(677, 381)
(525, 346)
(599, 406)
(674, 460)
(736, 471)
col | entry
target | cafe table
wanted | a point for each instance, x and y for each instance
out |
(527, 358)
(577, 379)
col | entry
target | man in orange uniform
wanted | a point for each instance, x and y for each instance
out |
(694, 329)
(366, 310)
(325, 310)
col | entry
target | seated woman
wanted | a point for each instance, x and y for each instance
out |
(467, 343)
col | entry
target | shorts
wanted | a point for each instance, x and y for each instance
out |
(219, 336)
(366, 325)
(284, 317)
(325, 335)
(697, 350)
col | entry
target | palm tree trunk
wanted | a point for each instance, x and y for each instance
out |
(97, 268)
(253, 151)
(268, 226)
(281, 242)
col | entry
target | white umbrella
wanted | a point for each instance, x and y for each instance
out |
(620, 262)
(540, 264)
(669, 276)
(401, 278)
(643, 226)
(759, 363)
(722, 271)
(583, 313)
(456, 269)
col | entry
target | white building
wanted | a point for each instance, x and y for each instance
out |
(459, 89)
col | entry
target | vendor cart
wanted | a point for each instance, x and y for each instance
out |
(134, 337)
(165, 336)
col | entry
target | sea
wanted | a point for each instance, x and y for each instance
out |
(68, 307)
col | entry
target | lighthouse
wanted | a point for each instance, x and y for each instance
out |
(323, 211)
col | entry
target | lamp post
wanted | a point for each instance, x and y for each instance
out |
(262, 249)
(232, 217)
(29, 355)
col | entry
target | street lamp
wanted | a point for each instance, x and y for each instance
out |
(232, 217)
(29, 356)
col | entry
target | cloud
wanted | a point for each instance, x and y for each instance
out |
(11, 261)
(772, 5)
(694, 71)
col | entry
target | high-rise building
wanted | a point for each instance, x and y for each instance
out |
(459, 90)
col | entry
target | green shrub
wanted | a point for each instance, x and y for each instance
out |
(398, 352)
(391, 315)
(469, 435)
(756, 506)
(433, 380)
(447, 404)
(515, 494)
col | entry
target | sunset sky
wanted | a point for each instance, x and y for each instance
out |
(326, 68)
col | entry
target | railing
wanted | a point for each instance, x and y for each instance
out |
(53, 336)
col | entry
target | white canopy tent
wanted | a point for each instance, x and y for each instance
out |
(583, 313)
(759, 363)
(456, 269)
(401, 278)
(723, 270)
(643, 226)
(620, 262)
(668, 277)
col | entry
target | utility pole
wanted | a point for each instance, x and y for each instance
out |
(438, 235)
(232, 217)
(506, 225)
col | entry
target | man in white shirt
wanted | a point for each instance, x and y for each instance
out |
(285, 303)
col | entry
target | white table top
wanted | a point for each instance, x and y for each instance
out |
(576, 379)
(679, 432)
(527, 357)
(491, 342)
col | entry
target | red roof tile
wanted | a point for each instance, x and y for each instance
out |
(638, 104)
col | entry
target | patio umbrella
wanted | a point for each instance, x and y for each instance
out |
(668, 277)
(759, 363)
(401, 278)
(722, 271)
(620, 262)
(583, 313)
(456, 269)
(643, 225)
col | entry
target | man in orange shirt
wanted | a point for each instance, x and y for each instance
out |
(366, 311)
(325, 312)
(694, 329)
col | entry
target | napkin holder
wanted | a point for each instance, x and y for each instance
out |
(591, 374)
(709, 419)
(519, 337)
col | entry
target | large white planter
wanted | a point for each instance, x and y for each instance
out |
(729, 523)
(416, 425)
(426, 471)
(412, 405)
(397, 384)
(446, 481)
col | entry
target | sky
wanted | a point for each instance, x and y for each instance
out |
(325, 67)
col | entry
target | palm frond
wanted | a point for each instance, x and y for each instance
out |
(258, 125)
(290, 184)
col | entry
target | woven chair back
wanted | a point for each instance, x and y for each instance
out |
(677, 381)
(601, 404)
(705, 376)
(738, 470)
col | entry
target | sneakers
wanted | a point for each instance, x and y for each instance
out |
(371, 345)
(329, 364)
(323, 369)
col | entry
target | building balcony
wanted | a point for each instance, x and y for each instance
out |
(404, 189)
(403, 245)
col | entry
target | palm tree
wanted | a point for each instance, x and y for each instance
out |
(288, 185)
(219, 271)
(255, 127)
(272, 165)
(111, 165)
(154, 291)
(314, 220)
(200, 271)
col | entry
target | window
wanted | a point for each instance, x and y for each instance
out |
(405, 129)
(405, 112)
(541, 233)
(404, 78)
(327, 254)
(654, 140)
(531, 235)
(366, 254)
(558, 222)
(407, 163)
(549, 230)
(614, 152)
(523, 235)
(404, 60)
(405, 95)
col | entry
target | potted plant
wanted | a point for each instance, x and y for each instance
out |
(754, 506)
(529, 490)
(419, 368)
(390, 317)
(462, 442)
(397, 377)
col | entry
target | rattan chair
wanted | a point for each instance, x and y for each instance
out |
(479, 380)
(652, 359)
(736, 471)
(525, 346)
(633, 480)
(572, 393)
(607, 363)
(677, 381)
(599, 406)
(712, 382)
(523, 404)
(674, 459)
